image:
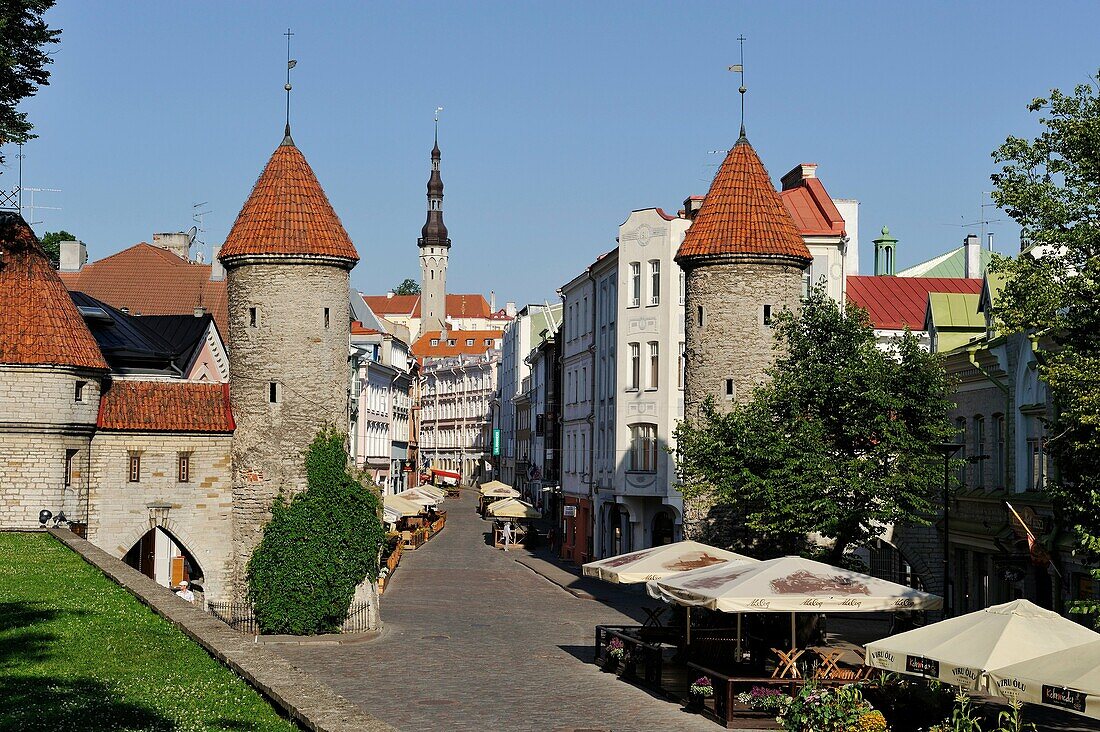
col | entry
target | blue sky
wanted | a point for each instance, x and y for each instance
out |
(560, 117)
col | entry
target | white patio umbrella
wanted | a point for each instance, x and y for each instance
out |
(499, 491)
(1066, 679)
(493, 485)
(960, 650)
(419, 497)
(660, 562)
(513, 508)
(788, 584)
(400, 506)
(431, 490)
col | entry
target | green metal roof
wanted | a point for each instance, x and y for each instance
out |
(951, 264)
(955, 318)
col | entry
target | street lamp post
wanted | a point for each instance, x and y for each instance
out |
(947, 449)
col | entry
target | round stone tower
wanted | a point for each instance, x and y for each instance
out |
(743, 261)
(287, 261)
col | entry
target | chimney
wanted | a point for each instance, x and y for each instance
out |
(217, 271)
(492, 301)
(510, 309)
(692, 204)
(797, 174)
(179, 243)
(389, 294)
(200, 311)
(972, 247)
(74, 255)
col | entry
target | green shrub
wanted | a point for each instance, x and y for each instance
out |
(317, 547)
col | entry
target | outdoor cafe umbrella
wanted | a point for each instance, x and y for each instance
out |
(513, 508)
(431, 490)
(660, 562)
(499, 491)
(1066, 679)
(419, 497)
(400, 506)
(494, 485)
(959, 650)
(788, 584)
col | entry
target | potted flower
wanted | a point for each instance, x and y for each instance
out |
(615, 653)
(702, 688)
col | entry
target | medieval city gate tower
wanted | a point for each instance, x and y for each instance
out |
(287, 261)
(743, 260)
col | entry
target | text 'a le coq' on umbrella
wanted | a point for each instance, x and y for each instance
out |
(513, 508)
(1067, 679)
(660, 562)
(961, 650)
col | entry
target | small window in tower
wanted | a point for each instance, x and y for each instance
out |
(184, 467)
(135, 467)
(730, 391)
(433, 274)
(79, 391)
(70, 456)
(700, 314)
(252, 317)
(273, 392)
(767, 315)
(326, 317)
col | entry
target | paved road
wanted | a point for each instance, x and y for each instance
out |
(474, 640)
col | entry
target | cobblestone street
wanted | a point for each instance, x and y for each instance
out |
(474, 640)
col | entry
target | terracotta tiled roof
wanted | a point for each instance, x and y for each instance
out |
(288, 213)
(742, 214)
(458, 306)
(423, 347)
(39, 324)
(812, 209)
(165, 406)
(148, 280)
(894, 303)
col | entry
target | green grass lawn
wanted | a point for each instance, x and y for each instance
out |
(78, 652)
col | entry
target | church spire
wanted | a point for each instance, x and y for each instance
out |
(434, 232)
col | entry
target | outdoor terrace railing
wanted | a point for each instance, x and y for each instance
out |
(642, 661)
(241, 617)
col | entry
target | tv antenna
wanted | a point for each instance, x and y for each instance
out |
(32, 206)
(198, 215)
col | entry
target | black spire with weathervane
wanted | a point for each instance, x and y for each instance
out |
(434, 232)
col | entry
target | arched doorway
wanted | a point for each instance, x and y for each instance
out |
(617, 538)
(663, 529)
(164, 559)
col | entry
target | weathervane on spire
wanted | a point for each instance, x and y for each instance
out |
(437, 111)
(740, 69)
(290, 64)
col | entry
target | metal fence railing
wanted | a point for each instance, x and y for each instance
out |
(240, 617)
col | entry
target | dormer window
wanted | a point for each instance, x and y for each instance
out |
(435, 341)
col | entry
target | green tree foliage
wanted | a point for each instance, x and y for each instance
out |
(317, 547)
(408, 287)
(51, 243)
(1051, 186)
(23, 36)
(838, 441)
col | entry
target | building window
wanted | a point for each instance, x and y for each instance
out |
(654, 364)
(998, 457)
(635, 366)
(654, 282)
(252, 317)
(731, 391)
(184, 464)
(452, 342)
(635, 284)
(699, 314)
(70, 456)
(135, 468)
(767, 317)
(683, 287)
(78, 393)
(960, 438)
(273, 392)
(326, 317)
(1036, 455)
(979, 451)
(435, 341)
(488, 341)
(643, 448)
(469, 341)
(680, 366)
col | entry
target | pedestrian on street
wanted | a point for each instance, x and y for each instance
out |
(506, 534)
(184, 592)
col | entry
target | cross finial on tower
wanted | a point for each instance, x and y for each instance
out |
(290, 64)
(740, 69)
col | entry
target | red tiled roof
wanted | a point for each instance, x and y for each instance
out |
(423, 347)
(165, 406)
(148, 280)
(39, 324)
(812, 209)
(458, 306)
(742, 214)
(288, 213)
(357, 328)
(894, 303)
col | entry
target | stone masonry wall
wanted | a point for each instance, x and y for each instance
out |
(200, 513)
(733, 342)
(291, 346)
(40, 420)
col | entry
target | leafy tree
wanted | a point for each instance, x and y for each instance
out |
(408, 287)
(51, 242)
(838, 441)
(23, 36)
(1051, 187)
(317, 547)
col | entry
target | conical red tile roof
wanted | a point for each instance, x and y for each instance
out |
(39, 325)
(743, 214)
(288, 213)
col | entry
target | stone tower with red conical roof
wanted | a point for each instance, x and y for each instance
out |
(51, 372)
(743, 260)
(287, 261)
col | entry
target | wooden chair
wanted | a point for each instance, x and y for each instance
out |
(785, 667)
(828, 666)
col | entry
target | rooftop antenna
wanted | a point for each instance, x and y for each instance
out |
(19, 187)
(32, 207)
(290, 64)
(740, 69)
(198, 215)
